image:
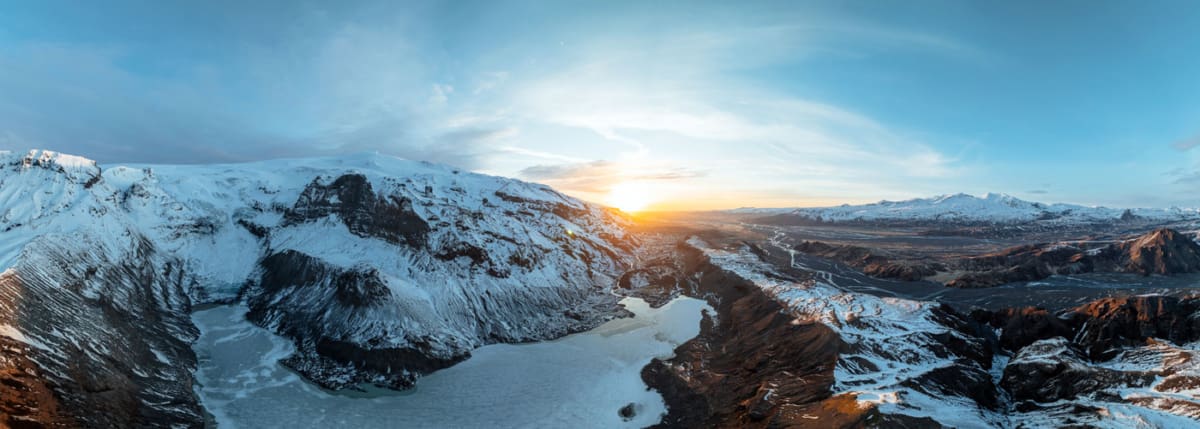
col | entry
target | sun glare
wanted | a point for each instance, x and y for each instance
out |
(630, 197)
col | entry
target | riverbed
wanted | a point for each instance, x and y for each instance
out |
(577, 381)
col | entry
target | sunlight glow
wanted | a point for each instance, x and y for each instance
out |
(630, 197)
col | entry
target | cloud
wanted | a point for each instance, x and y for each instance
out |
(597, 177)
(561, 171)
(1189, 178)
(441, 94)
(1188, 143)
(679, 173)
(464, 146)
(1186, 180)
(1037, 192)
(665, 107)
(682, 98)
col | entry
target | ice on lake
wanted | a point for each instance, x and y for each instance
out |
(578, 381)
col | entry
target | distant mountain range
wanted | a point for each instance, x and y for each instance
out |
(964, 208)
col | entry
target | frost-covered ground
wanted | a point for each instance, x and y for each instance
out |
(577, 381)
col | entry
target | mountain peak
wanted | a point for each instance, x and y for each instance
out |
(1163, 251)
(77, 168)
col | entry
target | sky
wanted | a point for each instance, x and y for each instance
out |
(688, 105)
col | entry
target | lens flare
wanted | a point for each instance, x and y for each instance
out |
(630, 197)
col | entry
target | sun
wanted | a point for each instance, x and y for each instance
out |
(629, 197)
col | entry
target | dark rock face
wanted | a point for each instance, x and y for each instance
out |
(26, 399)
(1101, 328)
(958, 380)
(322, 356)
(349, 328)
(352, 288)
(1106, 325)
(1162, 251)
(1050, 370)
(755, 368)
(1023, 326)
(364, 212)
(1056, 355)
(106, 339)
(628, 412)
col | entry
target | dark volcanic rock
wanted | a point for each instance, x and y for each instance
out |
(957, 380)
(1101, 328)
(333, 361)
(1106, 325)
(628, 412)
(26, 401)
(755, 368)
(1051, 370)
(364, 212)
(1023, 326)
(1162, 251)
(104, 338)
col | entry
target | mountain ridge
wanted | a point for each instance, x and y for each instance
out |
(965, 208)
(378, 269)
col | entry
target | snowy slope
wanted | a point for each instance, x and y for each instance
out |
(991, 208)
(896, 348)
(367, 262)
(917, 359)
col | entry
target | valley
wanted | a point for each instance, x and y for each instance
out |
(369, 290)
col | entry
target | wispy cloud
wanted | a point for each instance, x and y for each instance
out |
(666, 106)
(598, 177)
(1188, 143)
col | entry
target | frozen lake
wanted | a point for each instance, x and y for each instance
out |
(578, 381)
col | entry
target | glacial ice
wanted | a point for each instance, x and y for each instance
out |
(577, 381)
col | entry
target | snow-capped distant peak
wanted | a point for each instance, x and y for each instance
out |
(991, 207)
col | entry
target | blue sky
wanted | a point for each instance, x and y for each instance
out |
(713, 105)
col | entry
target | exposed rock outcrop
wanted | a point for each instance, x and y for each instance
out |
(364, 212)
(1162, 251)
(1105, 326)
(1051, 370)
(96, 336)
(751, 366)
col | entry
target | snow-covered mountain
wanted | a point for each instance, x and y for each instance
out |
(963, 208)
(379, 269)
